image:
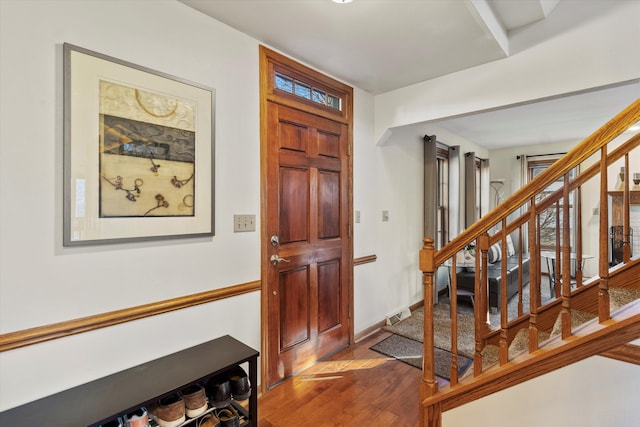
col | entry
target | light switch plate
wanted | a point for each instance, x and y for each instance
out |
(242, 223)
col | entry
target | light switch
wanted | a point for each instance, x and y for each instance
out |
(385, 216)
(242, 223)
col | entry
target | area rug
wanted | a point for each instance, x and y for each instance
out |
(410, 352)
(413, 328)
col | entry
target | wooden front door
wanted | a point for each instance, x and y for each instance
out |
(308, 245)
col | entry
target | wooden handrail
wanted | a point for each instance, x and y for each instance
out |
(584, 176)
(573, 158)
(539, 316)
(364, 260)
(26, 337)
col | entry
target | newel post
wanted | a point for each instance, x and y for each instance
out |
(431, 415)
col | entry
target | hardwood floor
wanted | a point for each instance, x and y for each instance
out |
(355, 387)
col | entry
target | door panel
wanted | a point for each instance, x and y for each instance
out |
(328, 288)
(329, 145)
(294, 205)
(293, 137)
(307, 209)
(328, 210)
(294, 308)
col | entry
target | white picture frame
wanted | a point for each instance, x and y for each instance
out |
(138, 152)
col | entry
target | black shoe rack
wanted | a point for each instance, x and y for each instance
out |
(105, 399)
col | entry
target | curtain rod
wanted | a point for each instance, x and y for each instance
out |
(541, 155)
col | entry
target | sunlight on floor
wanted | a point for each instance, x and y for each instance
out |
(337, 366)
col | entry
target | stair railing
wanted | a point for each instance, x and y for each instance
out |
(521, 215)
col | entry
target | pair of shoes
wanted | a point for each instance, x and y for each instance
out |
(169, 411)
(228, 417)
(209, 420)
(195, 400)
(219, 391)
(234, 383)
(240, 386)
(173, 410)
(137, 418)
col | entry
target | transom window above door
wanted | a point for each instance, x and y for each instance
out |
(306, 91)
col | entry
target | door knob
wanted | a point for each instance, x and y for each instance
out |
(275, 240)
(275, 259)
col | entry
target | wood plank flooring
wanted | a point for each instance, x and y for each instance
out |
(355, 387)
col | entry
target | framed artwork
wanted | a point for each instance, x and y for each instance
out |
(138, 152)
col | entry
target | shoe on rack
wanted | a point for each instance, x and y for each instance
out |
(219, 391)
(209, 420)
(137, 418)
(195, 400)
(170, 411)
(228, 417)
(240, 386)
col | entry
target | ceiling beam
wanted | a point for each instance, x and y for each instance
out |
(486, 17)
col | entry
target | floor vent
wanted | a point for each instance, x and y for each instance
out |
(405, 313)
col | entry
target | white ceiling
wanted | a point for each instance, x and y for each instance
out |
(382, 45)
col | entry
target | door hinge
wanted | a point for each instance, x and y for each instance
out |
(349, 232)
(349, 149)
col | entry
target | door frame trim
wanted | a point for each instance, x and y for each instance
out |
(270, 61)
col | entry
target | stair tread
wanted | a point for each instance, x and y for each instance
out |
(577, 318)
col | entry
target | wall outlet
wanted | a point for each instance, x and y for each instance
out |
(242, 223)
(357, 217)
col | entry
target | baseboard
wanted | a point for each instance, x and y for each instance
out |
(416, 305)
(369, 331)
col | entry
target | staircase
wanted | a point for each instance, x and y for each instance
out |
(584, 316)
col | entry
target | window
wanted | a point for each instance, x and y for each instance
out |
(442, 197)
(437, 189)
(550, 221)
(305, 91)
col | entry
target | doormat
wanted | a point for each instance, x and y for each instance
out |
(410, 352)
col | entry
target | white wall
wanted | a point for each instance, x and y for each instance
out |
(386, 178)
(42, 282)
(592, 393)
